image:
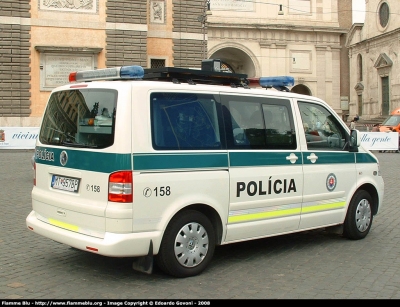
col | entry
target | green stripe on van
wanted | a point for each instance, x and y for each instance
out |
(365, 158)
(173, 161)
(261, 158)
(330, 157)
(111, 162)
(84, 160)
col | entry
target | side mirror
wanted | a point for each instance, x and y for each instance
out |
(355, 140)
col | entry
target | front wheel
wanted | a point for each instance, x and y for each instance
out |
(359, 216)
(187, 246)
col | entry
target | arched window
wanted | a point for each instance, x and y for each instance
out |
(301, 89)
(360, 67)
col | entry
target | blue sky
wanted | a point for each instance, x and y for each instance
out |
(358, 10)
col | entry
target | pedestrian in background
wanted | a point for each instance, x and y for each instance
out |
(375, 128)
(352, 124)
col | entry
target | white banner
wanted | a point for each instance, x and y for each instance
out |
(380, 140)
(18, 137)
(25, 138)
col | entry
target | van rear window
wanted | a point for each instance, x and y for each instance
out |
(80, 118)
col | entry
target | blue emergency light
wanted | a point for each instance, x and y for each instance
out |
(123, 72)
(279, 82)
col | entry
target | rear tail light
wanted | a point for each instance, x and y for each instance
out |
(120, 187)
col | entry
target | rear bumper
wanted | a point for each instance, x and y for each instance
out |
(113, 244)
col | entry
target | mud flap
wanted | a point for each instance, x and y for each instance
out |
(144, 264)
(338, 229)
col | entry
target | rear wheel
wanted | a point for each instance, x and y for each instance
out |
(187, 246)
(359, 216)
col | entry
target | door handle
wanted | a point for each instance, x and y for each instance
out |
(312, 157)
(292, 158)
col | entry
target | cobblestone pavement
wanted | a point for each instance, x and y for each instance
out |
(310, 265)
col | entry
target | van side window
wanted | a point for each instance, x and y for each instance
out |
(259, 123)
(184, 121)
(322, 129)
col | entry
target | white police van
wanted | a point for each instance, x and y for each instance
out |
(169, 163)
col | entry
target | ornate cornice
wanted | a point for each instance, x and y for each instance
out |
(64, 49)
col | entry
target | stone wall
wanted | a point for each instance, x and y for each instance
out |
(14, 54)
(126, 47)
(186, 14)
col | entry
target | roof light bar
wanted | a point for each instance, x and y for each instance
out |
(279, 82)
(253, 82)
(123, 72)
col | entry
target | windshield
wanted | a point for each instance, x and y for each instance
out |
(393, 120)
(80, 118)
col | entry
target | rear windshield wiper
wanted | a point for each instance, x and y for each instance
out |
(71, 144)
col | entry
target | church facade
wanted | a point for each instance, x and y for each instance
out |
(374, 51)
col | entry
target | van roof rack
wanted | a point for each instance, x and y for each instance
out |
(193, 76)
(187, 75)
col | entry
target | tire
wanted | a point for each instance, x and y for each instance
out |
(187, 246)
(359, 216)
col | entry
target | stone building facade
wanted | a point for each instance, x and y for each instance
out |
(374, 51)
(41, 41)
(302, 38)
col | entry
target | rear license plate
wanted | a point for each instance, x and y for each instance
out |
(65, 183)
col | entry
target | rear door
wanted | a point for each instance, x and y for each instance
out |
(265, 167)
(75, 154)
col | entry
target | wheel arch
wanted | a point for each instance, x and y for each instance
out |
(212, 215)
(374, 194)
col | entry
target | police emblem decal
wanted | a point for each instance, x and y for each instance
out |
(63, 158)
(331, 182)
(147, 192)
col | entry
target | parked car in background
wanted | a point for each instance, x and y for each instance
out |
(392, 123)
